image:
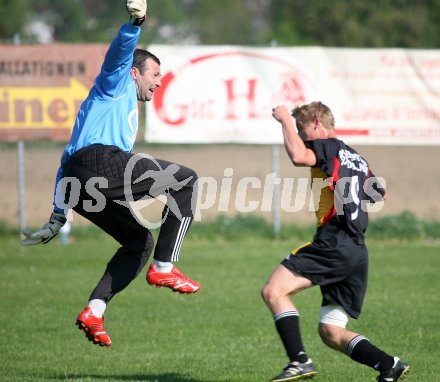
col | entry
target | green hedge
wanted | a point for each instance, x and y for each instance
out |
(404, 226)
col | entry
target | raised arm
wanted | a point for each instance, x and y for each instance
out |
(295, 147)
(115, 71)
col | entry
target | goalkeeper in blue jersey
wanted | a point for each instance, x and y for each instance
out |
(98, 161)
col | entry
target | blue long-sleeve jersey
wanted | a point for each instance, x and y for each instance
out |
(109, 114)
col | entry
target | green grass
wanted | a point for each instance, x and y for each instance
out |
(223, 333)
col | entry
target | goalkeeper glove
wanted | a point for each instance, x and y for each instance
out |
(137, 10)
(47, 233)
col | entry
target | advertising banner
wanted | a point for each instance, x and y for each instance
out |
(215, 94)
(43, 86)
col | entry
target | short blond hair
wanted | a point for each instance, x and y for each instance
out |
(307, 113)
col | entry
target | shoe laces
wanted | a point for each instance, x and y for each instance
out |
(178, 273)
(97, 326)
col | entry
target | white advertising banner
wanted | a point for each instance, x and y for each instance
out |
(219, 94)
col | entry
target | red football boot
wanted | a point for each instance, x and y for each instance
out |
(93, 327)
(174, 280)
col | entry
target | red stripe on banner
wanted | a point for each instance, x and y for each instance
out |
(353, 132)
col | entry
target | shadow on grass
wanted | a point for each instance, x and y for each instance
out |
(165, 377)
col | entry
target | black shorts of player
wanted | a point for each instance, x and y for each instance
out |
(336, 263)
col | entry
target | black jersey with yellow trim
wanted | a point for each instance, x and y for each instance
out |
(350, 186)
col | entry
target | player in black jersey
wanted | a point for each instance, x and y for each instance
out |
(337, 259)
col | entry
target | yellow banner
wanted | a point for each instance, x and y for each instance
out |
(41, 107)
(42, 88)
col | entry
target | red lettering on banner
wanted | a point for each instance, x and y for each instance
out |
(4, 108)
(228, 95)
(35, 108)
(193, 109)
(158, 102)
(231, 96)
(31, 111)
(58, 111)
(41, 107)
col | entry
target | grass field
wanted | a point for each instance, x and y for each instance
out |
(223, 333)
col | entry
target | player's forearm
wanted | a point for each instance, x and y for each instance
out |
(294, 145)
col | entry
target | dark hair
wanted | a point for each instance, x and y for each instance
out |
(140, 57)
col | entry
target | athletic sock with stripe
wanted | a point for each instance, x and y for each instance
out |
(363, 351)
(287, 325)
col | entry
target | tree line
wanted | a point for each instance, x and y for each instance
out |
(342, 23)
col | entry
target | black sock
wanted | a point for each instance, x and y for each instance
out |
(287, 324)
(363, 351)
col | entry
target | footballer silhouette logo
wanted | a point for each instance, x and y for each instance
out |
(163, 181)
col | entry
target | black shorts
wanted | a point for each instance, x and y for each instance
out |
(111, 164)
(336, 263)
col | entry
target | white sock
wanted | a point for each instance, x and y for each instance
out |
(163, 266)
(97, 306)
